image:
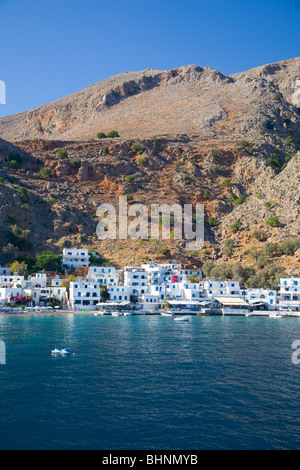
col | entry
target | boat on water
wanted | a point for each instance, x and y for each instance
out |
(116, 314)
(127, 314)
(167, 314)
(181, 318)
(275, 315)
(60, 351)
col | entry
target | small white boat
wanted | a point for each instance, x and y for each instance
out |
(275, 315)
(116, 314)
(182, 319)
(126, 314)
(60, 351)
(167, 314)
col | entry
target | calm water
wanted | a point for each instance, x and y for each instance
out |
(149, 383)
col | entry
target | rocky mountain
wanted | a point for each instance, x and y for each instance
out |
(192, 100)
(188, 135)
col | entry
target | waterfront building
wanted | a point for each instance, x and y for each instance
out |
(119, 293)
(259, 298)
(213, 288)
(84, 294)
(8, 292)
(289, 294)
(44, 295)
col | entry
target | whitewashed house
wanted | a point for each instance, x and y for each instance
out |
(44, 295)
(73, 258)
(5, 271)
(289, 294)
(136, 279)
(217, 288)
(260, 297)
(105, 275)
(119, 293)
(84, 294)
(12, 279)
(7, 293)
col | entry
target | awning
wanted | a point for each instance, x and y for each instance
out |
(113, 304)
(231, 301)
(183, 302)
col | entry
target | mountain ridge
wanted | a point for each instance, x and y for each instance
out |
(188, 99)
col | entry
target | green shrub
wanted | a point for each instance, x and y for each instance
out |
(226, 182)
(19, 237)
(129, 179)
(16, 157)
(62, 154)
(289, 247)
(112, 134)
(246, 146)
(46, 173)
(240, 200)
(105, 150)
(141, 161)
(213, 222)
(270, 204)
(136, 147)
(187, 178)
(273, 221)
(236, 226)
(260, 235)
(101, 135)
(228, 247)
(270, 248)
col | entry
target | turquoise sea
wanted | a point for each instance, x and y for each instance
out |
(149, 383)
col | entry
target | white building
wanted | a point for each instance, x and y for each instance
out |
(43, 295)
(73, 258)
(136, 279)
(6, 293)
(84, 295)
(38, 280)
(159, 273)
(105, 275)
(289, 294)
(119, 293)
(217, 288)
(10, 280)
(4, 271)
(258, 297)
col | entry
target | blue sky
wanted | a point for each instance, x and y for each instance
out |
(50, 49)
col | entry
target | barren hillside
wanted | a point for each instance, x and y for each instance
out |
(187, 135)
